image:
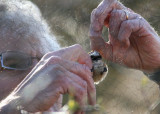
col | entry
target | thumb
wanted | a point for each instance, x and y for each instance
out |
(99, 17)
(104, 48)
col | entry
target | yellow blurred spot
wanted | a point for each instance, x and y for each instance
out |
(72, 105)
(144, 81)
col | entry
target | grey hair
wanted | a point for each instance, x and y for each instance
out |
(23, 19)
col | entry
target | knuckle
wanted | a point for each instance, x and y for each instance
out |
(119, 12)
(81, 92)
(115, 13)
(42, 62)
(84, 84)
(82, 68)
(78, 46)
(54, 59)
(142, 22)
(86, 69)
(57, 70)
(126, 24)
(97, 13)
(46, 55)
(76, 66)
(59, 73)
(93, 12)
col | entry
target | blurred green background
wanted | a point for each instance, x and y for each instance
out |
(124, 91)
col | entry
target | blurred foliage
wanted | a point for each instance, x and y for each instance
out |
(72, 105)
(123, 91)
(71, 18)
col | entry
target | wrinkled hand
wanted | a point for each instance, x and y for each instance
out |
(60, 72)
(132, 41)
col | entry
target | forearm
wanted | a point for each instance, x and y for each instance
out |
(10, 105)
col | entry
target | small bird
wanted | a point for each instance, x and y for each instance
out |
(99, 68)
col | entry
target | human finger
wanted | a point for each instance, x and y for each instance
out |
(82, 71)
(118, 6)
(99, 14)
(104, 48)
(127, 28)
(103, 10)
(98, 18)
(76, 88)
(116, 18)
(72, 53)
(63, 82)
(78, 92)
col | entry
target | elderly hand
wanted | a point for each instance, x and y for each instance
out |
(132, 41)
(60, 72)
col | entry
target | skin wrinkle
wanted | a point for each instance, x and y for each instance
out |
(135, 22)
(17, 23)
(101, 13)
(101, 8)
(136, 44)
(139, 56)
(27, 32)
(140, 27)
